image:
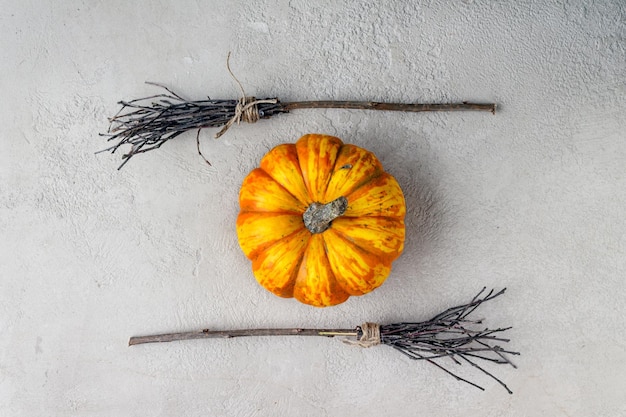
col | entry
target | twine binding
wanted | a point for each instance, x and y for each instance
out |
(246, 109)
(370, 337)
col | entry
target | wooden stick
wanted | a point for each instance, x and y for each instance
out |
(372, 105)
(225, 334)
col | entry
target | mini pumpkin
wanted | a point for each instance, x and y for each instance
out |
(321, 221)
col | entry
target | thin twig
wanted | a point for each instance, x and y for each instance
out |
(198, 147)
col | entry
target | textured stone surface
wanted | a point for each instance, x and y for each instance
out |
(532, 199)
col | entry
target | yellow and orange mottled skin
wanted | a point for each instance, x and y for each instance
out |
(354, 255)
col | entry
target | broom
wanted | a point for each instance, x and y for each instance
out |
(147, 123)
(446, 335)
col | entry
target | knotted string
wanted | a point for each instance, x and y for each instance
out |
(246, 109)
(370, 337)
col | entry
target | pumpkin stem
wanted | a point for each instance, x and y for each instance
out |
(318, 216)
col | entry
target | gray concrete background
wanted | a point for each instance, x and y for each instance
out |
(532, 199)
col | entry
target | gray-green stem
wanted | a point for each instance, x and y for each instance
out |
(318, 217)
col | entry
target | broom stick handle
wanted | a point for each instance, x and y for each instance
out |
(225, 334)
(372, 105)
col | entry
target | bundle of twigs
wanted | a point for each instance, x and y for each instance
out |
(447, 335)
(147, 123)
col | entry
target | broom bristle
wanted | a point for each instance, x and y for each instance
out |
(147, 123)
(450, 335)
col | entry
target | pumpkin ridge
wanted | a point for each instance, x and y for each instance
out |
(364, 182)
(332, 274)
(360, 184)
(382, 196)
(372, 281)
(294, 212)
(285, 188)
(269, 245)
(351, 154)
(393, 230)
(337, 292)
(252, 242)
(332, 171)
(308, 143)
(288, 290)
(275, 152)
(375, 217)
(352, 242)
(296, 271)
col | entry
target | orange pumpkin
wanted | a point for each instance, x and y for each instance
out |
(321, 221)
